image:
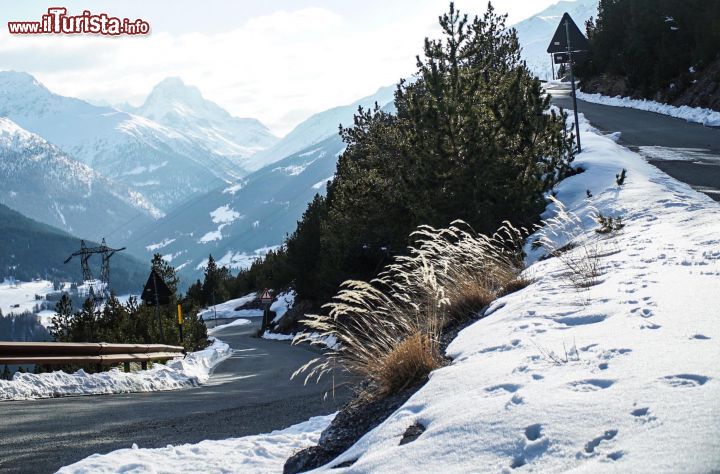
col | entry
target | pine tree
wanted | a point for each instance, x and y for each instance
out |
(62, 322)
(166, 272)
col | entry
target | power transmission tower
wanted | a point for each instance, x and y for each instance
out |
(106, 252)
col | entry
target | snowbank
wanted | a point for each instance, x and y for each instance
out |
(179, 373)
(622, 376)
(227, 309)
(265, 453)
(237, 322)
(282, 303)
(706, 117)
(329, 341)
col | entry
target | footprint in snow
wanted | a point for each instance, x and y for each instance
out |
(503, 387)
(643, 414)
(699, 336)
(592, 445)
(685, 380)
(590, 385)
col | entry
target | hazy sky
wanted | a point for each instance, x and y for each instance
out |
(276, 60)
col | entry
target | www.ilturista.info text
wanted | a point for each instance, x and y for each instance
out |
(57, 21)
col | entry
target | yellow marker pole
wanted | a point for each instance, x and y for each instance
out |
(180, 322)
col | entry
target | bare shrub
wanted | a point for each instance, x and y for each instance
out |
(389, 329)
(563, 236)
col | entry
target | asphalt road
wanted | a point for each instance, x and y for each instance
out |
(686, 151)
(247, 394)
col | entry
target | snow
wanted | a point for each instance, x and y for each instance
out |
(273, 336)
(282, 303)
(22, 294)
(619, 377)
(178, 373)
(322, 183)
(224, 215)
(237, 322)
(263, 453)
(315, 338)
(232, 189)
(212, 235)
(227, 309)
(242, 260)
(700, 115)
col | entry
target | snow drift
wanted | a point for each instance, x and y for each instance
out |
(179, 373)
(707, 117)
(265, 453)
(621, 376)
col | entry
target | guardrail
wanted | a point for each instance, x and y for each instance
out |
(80, 353)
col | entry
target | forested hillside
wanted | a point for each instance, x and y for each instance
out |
(29, 249)
(472, 138)
(665, 50)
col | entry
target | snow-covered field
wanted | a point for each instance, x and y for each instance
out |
(179, 373)
(265, 453)
(227, 309)
(22, 294)
(620, 377)
(706, 117)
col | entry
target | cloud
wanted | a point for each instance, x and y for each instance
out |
(279, 67)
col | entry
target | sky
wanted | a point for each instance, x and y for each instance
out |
(279, 61)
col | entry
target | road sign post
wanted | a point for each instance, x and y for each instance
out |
(156, 293)
(266, 300)
(567, 41)
(572, 81)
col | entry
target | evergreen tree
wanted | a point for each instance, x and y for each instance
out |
(62, 322)
(472, 139)
(166, 272)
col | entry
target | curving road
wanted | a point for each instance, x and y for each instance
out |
(249, 393)
(686, 151)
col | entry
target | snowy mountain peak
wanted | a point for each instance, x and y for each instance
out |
(181, 106)
(172, 95)
(14, 81)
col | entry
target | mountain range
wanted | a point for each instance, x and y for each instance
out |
(166, 165)
(239, 222)
(179, 175)
(44, 183)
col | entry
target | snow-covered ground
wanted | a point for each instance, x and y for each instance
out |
(282, 303)
(620, 377)
(193, 370)
(706, 117)
(265, 453)
(227, 309)
(18, 297)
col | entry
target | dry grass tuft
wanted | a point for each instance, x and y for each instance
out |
(389, 329)
(407, 364)
(515, 284)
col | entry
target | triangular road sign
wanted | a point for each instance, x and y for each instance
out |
(578, 41)
(155, 291)
(266, 297)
